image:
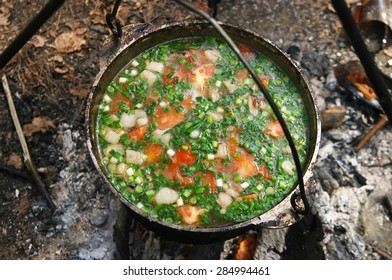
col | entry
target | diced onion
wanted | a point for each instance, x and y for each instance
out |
(155, 66)
(121, 168)
(230, 86)
(107, 98)
(140, 114)
(134, 63)
(212, 55)
(180, 202)
(170, 152)
(245, 185)
(166, 196)
(288, 166)
(210, 157)
(142, 121)
(195, 134)
(219, 182)
(128, 120)
(140, 205)
(215, 116)
(112, 167)
(149, 77)
(130, 171)
(133, 157)
(122, 80)
(221, 151)
(224, 200)
(112, 137)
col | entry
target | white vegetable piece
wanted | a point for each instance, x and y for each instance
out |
(288, 166)
(219, 182)
(155, 66)
(140, 114)
(130, 171)
(121, 168)
(245, 185)
(195, 134)
(210, 157)
(112, 168)
(180, 202)
(140, 205)
(107, 98)
(149, 77)
(134, 63)
(142, 121)
(224, 200)
(215, 116)
(128, 120)
(122, 80)
(166, 196)
(133, 73)
(161, 135)
(230, 86)
(133, 157)
(221, 151)
(112, 137)
(212, 55)
(170, 152)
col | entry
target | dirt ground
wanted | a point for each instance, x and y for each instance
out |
(50, 79)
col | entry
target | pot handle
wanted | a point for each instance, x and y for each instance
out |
(113, 22)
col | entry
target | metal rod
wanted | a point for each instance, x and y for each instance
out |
(372, 71)
(26, 154)
(29, 31)
(274, 107)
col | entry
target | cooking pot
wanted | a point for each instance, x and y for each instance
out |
(138, 38)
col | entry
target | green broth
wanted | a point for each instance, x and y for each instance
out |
(187, 137)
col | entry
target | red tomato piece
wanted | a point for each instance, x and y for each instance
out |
(274, 129)
(168, 119)
(247, 52)
(114, 108)
(154, 152)
(209, 179)
(242, 75)
(264, 172)
(244, 165)
(185, 157)
(173, 172)
(264, 80)
(138, 134)
(190, 214)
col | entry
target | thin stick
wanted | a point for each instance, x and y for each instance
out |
(380, 124)
(26, 154)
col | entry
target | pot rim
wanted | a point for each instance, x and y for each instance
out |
(149, 30)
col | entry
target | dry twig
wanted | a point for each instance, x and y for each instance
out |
(380, 124)
(26, 154)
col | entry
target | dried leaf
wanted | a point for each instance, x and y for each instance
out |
(60, 70)
(69, 42)
(38, 41)
(57, 58)
(4, 20)
(81, 91)
(41, 124)
(15, 160)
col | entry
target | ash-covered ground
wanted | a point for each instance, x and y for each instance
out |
(50, 79)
